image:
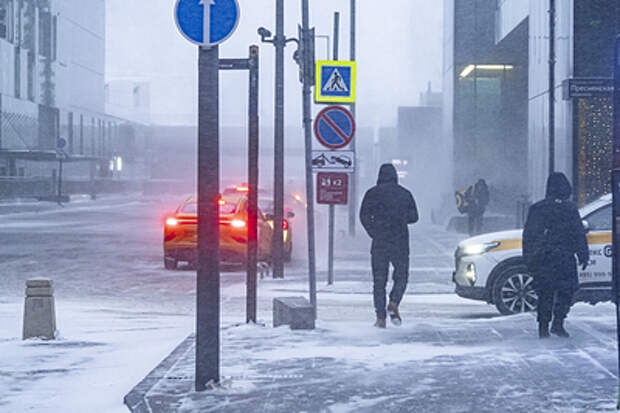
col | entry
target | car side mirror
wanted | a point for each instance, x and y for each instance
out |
(290, 215)
(586, 226)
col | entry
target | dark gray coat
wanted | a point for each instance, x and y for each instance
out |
(553, 236)
(386, 212)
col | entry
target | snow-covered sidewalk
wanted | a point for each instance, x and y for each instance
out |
(450, 355)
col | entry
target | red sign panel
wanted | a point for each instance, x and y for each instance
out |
(332, 188)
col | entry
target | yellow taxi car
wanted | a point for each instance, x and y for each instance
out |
(181, 232)
(490, 267)
(266, 205)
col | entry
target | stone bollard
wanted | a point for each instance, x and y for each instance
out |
(39, 311)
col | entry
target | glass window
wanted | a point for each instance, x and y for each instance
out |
(600, 220)
(191, 208)
(5, 16)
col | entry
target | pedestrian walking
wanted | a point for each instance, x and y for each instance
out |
(386, 212)
(478, 200)
(552, 237)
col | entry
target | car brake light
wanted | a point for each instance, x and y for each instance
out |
(237, 223)
(171, 222)
(243, 188)
(284, 224)
(221, 202)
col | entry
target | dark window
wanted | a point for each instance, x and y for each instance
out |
(45, 34)
(3, 171)
(5, 15)
(21, 171)
(600, 220)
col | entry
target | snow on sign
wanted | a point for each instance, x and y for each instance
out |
(335, 82)
(334, 127)
(207, 22)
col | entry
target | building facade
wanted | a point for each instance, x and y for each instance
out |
(52, 92)
(496, 97)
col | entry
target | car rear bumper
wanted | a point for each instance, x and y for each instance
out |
(191, 255)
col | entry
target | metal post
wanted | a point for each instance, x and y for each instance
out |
(208, 273)
(278, 164)
(551, 86)
(353, 194)
(332, 208)
(307, 95)
(59, 194)
(616, 200)
(253, 140)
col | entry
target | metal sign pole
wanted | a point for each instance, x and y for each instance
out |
(616, 200)
(208, 272)
(332, 208)
(307, 80)
(353, 196)
(251, 305)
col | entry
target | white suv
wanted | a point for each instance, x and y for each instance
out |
(491, 268)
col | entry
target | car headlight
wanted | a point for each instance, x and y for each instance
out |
(476, 249)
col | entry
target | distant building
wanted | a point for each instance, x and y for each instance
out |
(52, 55)
(496, 94)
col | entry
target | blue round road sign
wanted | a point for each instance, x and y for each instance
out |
(207, 22)
(334, 127)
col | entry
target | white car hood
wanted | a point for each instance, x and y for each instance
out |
(493, 236)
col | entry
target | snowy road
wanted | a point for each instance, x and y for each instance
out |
(120, 312)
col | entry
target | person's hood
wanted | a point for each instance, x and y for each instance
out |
(558, 186)
(387, 174)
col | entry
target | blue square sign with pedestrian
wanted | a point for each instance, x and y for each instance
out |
(335, 82)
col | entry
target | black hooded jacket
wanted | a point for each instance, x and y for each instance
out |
(386, 212)
(553, 235)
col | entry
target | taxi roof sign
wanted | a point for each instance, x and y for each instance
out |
(335, 81)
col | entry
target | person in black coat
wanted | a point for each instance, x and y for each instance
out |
(478, 198)
(386, 212)
(552, 237)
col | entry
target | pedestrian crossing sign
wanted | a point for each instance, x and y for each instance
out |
(335, 82)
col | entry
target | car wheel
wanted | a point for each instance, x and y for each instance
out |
(170, 263)
(513, 291)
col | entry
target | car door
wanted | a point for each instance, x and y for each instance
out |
(599, 237)
(265, 234)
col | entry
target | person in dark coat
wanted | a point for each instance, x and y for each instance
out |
(478, 199)
(386, 212)
(552, 237)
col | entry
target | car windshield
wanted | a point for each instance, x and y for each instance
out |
(266, 205)
(192, 208)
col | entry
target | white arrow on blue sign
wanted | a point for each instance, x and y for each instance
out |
(207, 22)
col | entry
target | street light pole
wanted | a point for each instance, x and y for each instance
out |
(278, 167)
(551, 86)
(307, 77)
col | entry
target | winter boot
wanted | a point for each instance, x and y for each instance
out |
(394, 314)
(557, 328)
(543, 330)
(380, 323)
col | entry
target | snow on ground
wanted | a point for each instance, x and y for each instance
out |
(120, 313)
(100, 355)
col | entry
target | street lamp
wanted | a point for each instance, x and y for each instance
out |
(279, 41)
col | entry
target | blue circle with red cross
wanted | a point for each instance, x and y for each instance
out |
(334, 127)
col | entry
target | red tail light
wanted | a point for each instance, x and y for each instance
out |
(284, 224)
(171, 222)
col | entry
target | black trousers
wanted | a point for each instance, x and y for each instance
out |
(380, 268)
(474, 223)
(554, 302)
